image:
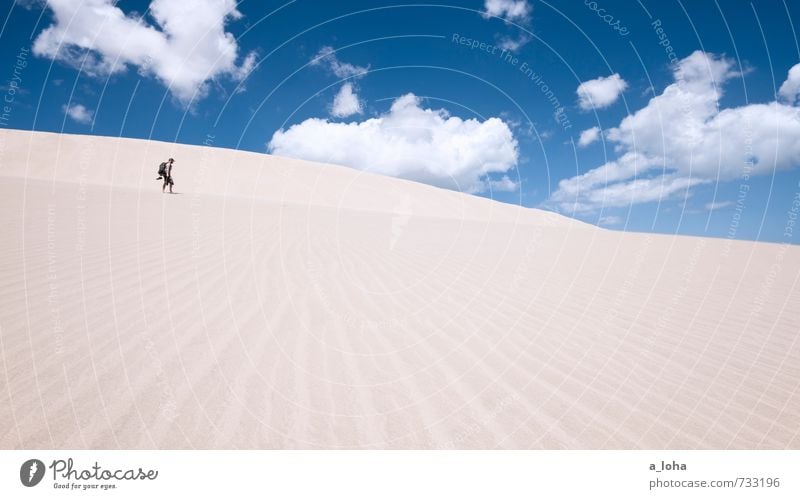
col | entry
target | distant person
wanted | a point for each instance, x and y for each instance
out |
(165, 172)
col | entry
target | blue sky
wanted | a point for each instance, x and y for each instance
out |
(703, 142)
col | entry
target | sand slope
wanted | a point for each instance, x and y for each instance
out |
(280, 304)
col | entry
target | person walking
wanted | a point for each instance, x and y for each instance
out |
(165, 172)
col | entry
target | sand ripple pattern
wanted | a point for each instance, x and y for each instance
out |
(281, 304)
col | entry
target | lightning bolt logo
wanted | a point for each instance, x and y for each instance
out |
(31, 472)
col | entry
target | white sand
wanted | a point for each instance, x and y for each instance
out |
(280, 304)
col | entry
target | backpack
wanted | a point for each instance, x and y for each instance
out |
(162, 169)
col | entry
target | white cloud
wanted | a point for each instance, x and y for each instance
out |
(30, 4)
(718, 205)
(681, 139)
(78, 113)
(600, 92)
(513, 44)
(511, 10)
(609, 220)
(517, 11)
(408, 141)
(630, 179)
(186, 48)
(346, 102)
(245, 68)
(327, 57)
(685, 126)
(790, 90)
(589, 136)
(625, 167)
(505, 184)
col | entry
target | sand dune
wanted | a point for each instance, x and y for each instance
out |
(275, 303)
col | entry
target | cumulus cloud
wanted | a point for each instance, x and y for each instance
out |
(600, 92)
(326, 57)
(78, 113)
(681, 139)
(411, 142)
(630, 179)
(346, 103)
(186, 48)
(790, 90)
(589, 136)
(511, 10)
(517, 11)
